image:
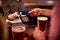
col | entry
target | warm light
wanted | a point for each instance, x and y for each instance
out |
(42, 18)
(50, 2)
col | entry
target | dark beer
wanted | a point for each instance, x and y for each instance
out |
(18, 33)
(42, 23)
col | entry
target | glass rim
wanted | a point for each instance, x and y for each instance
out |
(42, 18)
(16, 28)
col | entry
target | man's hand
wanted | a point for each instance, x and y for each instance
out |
(39, 35)
(38, 11)
(35, 12)
(13, 16)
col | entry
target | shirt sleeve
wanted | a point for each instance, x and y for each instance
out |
(9, 7)
(6, 10)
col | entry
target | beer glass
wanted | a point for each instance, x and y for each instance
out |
(18, 32)
(42, 23)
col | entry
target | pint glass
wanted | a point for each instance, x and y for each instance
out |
(42, 23)
(18, 32)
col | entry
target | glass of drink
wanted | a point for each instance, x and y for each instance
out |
(42, 23)
(18, 32)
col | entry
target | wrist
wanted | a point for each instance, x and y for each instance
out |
(46, 12)
(43, 11)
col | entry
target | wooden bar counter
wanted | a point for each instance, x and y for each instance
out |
(32, 4)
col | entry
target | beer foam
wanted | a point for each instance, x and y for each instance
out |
(42, 18)
(18, 29)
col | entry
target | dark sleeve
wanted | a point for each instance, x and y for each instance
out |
(6, 10)
(9, 7)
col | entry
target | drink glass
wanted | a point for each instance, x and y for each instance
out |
(18, 32)
(42, 23)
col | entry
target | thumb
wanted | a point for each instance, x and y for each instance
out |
(16, 14)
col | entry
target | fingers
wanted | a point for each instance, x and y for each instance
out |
(35, 12)
(30, 11)
(39, 13)
(38, 34)
(16, 14)
(13, 16)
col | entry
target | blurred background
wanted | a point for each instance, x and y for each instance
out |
(29, 4)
